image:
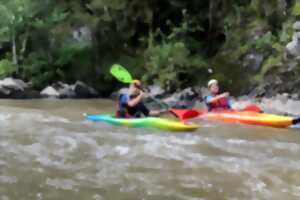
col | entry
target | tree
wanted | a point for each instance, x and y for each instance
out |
(15, 16)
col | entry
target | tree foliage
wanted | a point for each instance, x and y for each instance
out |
(171, 42)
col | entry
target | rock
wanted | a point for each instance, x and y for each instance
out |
(295, 97)
(82, 90)
(204, 92)
(12, 88)
(282, 97)
(156, 91)
(184, 99)
(296, 26)
(64, 90)
(293, 49)
(253, 61)
(15, 84)
(58, 90)
(83, 34)
(171, 101)
(277, 106)
(4, 92)
(50, 92)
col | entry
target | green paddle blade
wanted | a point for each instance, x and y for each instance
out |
(121, 73)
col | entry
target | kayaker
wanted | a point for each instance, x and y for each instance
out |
(216, 101)
(132, 105)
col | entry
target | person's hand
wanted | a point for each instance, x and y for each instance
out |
(225, 95)
(142, 94)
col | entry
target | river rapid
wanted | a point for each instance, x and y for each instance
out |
(48, 151)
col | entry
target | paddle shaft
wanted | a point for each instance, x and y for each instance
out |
(296, 120)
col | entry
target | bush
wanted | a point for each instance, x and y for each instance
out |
(7, 68)
(172, 65)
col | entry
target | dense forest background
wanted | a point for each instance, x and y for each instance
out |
(173, 43)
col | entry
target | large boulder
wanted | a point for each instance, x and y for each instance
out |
(50, 92)
(58, 90)
(296, 26)
(82, 90)
(156, 91)
(13, 88)
(83, 34)
(63, 90)
(253, 61)
(293, 47)
(184, 99)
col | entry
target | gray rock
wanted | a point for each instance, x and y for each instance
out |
(82, 90)
(295, 96)
(156, 91)
(58, 90)
(189, 94)
(184, 99)
(296, 26)
(204, 92)
(83, 34)
(64, 90)
(293, 49)
(276, 105)
(50, 92)
(170, 101)
(4, 92)
(253, 61)
(296, 36)
(15, 84)
(12, 88)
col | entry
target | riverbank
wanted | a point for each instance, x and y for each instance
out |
(11, 88)
(284, 104)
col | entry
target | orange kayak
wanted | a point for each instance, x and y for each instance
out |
(253, 118)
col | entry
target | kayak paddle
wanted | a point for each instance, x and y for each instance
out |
(121, 73)
(296, 120)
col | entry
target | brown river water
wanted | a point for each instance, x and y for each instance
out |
(48, 151)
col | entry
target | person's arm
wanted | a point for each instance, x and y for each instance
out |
(217, 98)
(133, 102)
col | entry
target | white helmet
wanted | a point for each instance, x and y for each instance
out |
(211, 82)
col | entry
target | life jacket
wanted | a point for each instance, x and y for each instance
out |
(122, 111)
(221, 104)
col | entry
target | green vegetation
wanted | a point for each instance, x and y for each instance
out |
(170, 42)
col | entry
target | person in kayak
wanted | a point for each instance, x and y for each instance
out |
(216, 101)
(132, 105)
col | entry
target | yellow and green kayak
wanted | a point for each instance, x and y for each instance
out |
(147, 122)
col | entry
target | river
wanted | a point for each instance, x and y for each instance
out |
(48, 151)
